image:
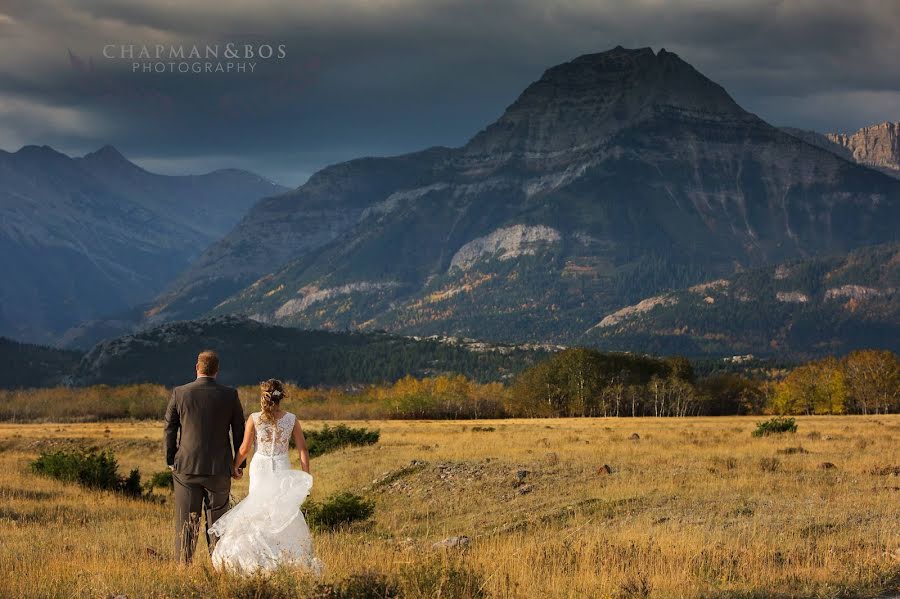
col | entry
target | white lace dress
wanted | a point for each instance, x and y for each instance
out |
(267, 529)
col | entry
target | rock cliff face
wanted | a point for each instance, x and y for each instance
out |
(876, 145)
(504, 244)
(92, 236)
(614, 177)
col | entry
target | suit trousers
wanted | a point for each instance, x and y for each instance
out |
(193, 493)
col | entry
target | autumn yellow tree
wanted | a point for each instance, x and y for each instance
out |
(814, 388)
(873, 381)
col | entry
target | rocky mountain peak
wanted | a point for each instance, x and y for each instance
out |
(108, 157)
(585, 101)
(875, 145)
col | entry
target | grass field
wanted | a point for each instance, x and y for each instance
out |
(695, 507)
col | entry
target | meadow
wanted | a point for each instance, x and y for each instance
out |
(579, 507)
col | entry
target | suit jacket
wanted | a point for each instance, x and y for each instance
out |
(204, 412)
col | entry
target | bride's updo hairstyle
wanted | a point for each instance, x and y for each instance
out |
(271, 394)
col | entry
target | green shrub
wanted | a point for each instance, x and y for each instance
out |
(161, 480)
(88, 467)
(332, 438)
(775, 426)
(131, 484)
(339, 510)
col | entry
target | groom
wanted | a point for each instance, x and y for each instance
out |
(201, 460)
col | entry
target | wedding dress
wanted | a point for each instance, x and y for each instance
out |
(267, 529)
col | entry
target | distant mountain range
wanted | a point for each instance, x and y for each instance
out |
(88, 237)
(803, 309)
(612, 178)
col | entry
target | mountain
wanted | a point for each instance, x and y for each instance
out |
(252, 352)
(27, 365)
(280, 228)
(804, 309)
(210, 204)
(876, 146)
(91, 236)
(613, 177)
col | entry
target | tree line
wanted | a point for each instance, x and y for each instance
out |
(572, 383)
(588, 383)
(584, 382)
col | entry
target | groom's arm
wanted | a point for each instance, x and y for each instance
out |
(237, 426)
(173, 423)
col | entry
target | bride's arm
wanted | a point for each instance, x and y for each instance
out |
(244, 449)
(300, 442)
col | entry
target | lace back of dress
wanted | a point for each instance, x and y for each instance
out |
(273, 438)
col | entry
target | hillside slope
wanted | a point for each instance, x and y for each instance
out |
(251, 352)
(27, 365)
(802, 309)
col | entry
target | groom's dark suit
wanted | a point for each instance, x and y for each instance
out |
(204, 412)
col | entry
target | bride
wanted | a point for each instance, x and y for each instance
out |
(267, 529)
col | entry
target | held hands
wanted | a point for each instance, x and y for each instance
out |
(237, 472)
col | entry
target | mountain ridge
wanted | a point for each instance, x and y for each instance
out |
(252, 351)
(85, 237)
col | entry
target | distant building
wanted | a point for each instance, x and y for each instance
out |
(739, 359)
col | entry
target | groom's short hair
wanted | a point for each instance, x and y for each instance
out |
(208, 362)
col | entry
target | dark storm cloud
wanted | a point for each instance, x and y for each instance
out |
(365, 77)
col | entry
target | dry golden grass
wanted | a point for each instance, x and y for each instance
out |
(695, 508)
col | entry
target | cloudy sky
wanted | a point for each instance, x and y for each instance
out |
(381, 77)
